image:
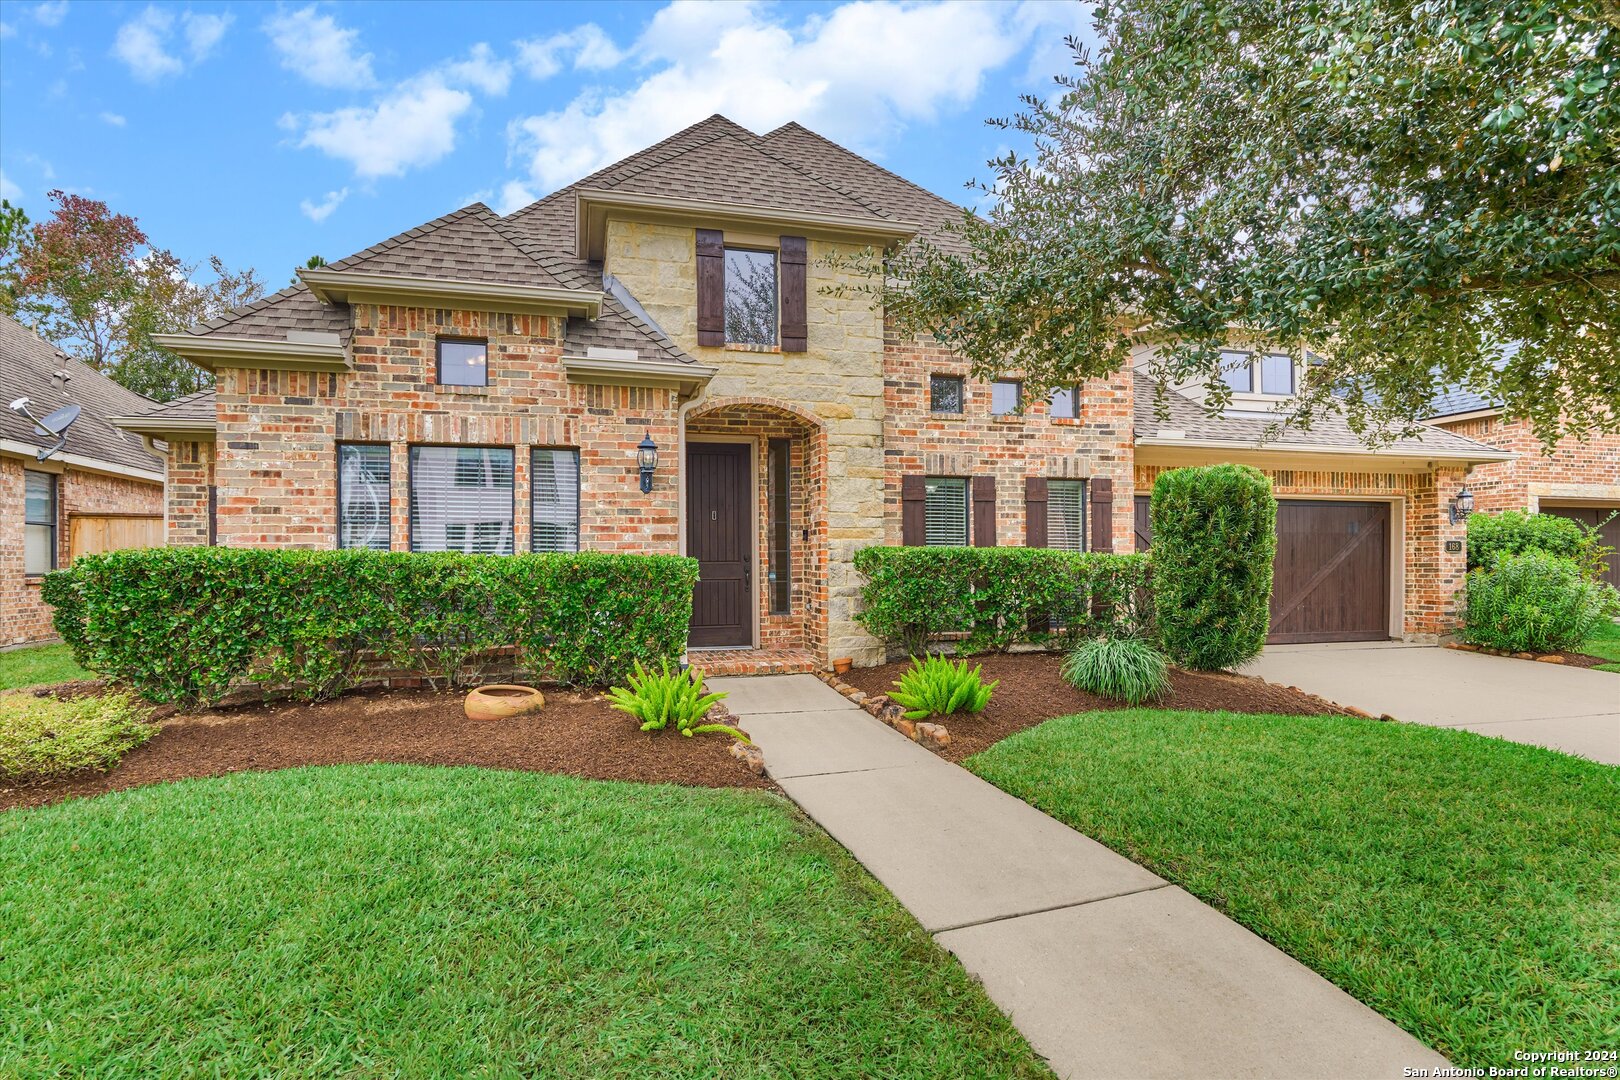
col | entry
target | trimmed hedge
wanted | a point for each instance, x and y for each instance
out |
(186, 624)
(996, 597)
(1531, 602)
(1214, 539)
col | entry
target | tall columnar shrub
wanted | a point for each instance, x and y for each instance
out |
(915, 598)
(1531, 602)
(1214, 539)
(187, 624)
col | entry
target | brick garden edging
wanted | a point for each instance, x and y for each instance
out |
(929, 736)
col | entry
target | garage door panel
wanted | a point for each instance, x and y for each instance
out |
(1330, 581)
(1608, 526)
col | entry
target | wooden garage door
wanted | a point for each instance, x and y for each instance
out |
(1607, 520)
(1331, 578)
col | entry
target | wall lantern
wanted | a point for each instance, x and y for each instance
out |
(1462, 505)
(647, 460)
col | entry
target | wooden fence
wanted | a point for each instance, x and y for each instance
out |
(90, 533)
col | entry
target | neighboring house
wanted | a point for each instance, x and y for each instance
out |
(1579, 480)
(483, 383)
(101, 490)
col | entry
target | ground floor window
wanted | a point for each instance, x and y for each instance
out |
(363, 497)
(461, 499)
(39, 522)
(1066, 514)
(554, 499)
(945, 512)
(778, 527)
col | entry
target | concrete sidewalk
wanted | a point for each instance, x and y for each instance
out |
(1568, 709)
(1107, 969)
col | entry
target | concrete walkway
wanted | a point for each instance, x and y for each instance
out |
(1107, 969)
(1569, 709)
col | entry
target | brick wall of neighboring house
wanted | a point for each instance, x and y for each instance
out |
(1575, 469)
(190, 472)
(1096, 444)
(1428, 575)
(275, 452)
(23, 615)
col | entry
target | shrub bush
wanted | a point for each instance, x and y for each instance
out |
(1214, 538)
(43, 738)
(1126, 669)
(186, 624)
(677, 695)
(1531, 602)
(914, 598)
(1513, 532)
(938, 687)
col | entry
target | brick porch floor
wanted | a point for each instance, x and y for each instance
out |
(752, 661)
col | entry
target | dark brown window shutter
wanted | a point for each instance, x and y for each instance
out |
(711, 287)
(1101, 491)
(913, 510)
(984, 511)
(795, 318)
(1034, 511)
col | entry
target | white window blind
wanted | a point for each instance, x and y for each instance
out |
(1066, 514)
(39, 522)
(1066, 402)
(1006, 397)
(461, 499)
(554, 499)
(363, 492)
(1237, 369)
(945, 512)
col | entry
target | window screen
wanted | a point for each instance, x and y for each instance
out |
(1005, 397)
(363, 497)
(944, 393)
(750, 297)
(1066, 402)
(1276, 374)
(1066, 514)
(461, 499)
(1237, 370)
(554, 499)
(39, 522)
(946, 512)
(464, 363)
(779, 525)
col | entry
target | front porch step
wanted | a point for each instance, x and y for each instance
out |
(717, 662)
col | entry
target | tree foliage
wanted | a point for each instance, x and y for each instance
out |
(91, 282)
(1402, 191)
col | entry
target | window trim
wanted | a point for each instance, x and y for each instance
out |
(439, 343)
(410, 486)
(776, 294)
(967, 508)
(388, 510)
(961, 398)
(579, 500)
(1018, 397)
(53, 524)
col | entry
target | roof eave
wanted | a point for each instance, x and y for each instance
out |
(1457, 418)
(214, 351)
(360, 287)
(661, 374)
(1384, 456)
(183, 428)
(593, 205)
(82, 462)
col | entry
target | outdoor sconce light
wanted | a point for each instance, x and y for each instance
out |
(647, 459)
(1462, 505)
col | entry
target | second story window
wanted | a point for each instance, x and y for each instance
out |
(1237, 371)
(1065, 402)
(750, 297)
(944, 393)
(1006, 397)
(1276, 374)
(463, 362)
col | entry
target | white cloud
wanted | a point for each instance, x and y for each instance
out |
(113, 118)
(515, 195)
(480, 70)
(855, 74)
(7, 30)
(589, 48)
(412, 125)
(319, 50)
(51, 13)
(8, 190)
(143, 43)
(319, 212)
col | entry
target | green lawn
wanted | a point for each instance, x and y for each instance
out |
(39, 665)
(1604, 643)
(1462, 886)
(408, 921)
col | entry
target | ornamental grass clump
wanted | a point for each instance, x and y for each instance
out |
(44, 738)
(657, 699)
(938, 687)
(1125, 669)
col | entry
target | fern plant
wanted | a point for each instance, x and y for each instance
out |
(938, 687)
(658, 699)
(1124, 668)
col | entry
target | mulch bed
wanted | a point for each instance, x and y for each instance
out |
(575, 734)
(1031, 693)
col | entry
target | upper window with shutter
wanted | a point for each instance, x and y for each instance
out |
(554, 499)
(751, 309)
(1066, 514)
(946, 512)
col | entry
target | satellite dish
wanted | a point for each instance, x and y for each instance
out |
(54, 426)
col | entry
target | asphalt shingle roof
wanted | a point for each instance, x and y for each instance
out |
(462, 246)
(28, 367)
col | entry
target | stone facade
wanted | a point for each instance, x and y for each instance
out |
(1586, 471)
(23, 615)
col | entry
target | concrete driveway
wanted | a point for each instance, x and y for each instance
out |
(1569, 709)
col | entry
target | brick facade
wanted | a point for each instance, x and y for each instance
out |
(1575, 470)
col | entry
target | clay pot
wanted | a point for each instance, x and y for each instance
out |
(842, 665)
(499, 701)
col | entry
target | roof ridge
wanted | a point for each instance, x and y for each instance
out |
(796, 126)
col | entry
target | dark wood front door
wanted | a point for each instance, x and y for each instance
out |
(1607, 521)
(719, 535)
(1330, 581)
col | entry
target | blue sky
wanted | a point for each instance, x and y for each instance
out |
(265, 133)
